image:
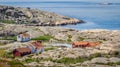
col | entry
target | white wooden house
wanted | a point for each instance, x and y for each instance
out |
(23, 37)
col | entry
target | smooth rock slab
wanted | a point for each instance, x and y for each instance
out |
(99, 60)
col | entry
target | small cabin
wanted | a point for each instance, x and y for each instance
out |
(23, 37)
(84, 44)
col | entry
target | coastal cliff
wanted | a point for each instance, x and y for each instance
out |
(18, 15)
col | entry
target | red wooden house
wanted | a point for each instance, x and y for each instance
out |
(84, 44)
(21, 51)
(34, 47)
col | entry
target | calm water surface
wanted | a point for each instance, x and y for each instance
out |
(97, 16)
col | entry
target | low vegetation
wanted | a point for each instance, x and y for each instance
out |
(13, 63)
(51, 48)
(109, 63)
(16, 64)
(81, 38)
(65, 60)
(1, 27)
(7, 55)
(115, 53)
(7, 21)
(69, 38)
(9, 38)
(78, 59)
(29, 60)
(43, 38)
(1, 52)
(1, 44)
(70, 60)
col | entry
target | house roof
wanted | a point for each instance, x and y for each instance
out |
(94, 43)
(86, 43)
(80, 43)
(21, 50)
(37, 44)
(25, 35)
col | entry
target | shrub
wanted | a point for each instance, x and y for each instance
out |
(118, 63)
(81, 39)
(69, 38)
(28, 60)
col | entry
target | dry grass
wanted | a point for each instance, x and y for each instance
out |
(1, 52)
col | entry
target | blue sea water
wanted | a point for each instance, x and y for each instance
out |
(97, 16)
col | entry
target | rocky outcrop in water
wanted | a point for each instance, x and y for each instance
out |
(9, 14)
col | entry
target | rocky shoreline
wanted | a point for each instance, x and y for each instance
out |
(33, 17)
(108, 51)
(39, 24)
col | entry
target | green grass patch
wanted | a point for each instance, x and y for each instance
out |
(16, 64)
(1, 52)
(12, 63)
(8, 21)
(69, 38)
(43, 38)
(29, 60)
(9, 38)
(46, 37)
(7, 54)
(81, 38)
(51, 48)
(94, 56)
